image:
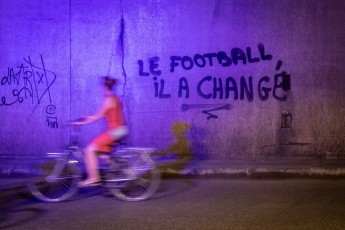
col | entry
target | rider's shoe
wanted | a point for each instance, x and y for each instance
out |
(89, 183)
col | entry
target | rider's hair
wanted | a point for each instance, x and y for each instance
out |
(109, 82)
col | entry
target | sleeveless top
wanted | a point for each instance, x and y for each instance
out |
(114, 115)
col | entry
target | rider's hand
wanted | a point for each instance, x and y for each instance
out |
(81, 121)
(77, 123)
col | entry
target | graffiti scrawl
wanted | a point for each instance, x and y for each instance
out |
(30, 82)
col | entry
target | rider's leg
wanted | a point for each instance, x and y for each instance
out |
(91, 164)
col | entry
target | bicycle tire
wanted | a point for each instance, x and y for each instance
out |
(141, 188)
(60, 188)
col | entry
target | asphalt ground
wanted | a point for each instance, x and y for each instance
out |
(13, 172)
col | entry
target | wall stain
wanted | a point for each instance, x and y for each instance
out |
(121, 51)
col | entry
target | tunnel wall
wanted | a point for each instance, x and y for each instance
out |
(253, 79)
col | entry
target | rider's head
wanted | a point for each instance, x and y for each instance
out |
(109, 82)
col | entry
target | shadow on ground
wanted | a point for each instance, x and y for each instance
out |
(17, 208)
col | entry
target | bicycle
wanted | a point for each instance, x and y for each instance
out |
(130, 174)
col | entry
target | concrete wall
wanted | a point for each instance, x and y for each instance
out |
(217, 65)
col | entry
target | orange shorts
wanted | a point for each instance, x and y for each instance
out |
(103, 143)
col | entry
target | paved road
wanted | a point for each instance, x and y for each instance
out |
(190, 204)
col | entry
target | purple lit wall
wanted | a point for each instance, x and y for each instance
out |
(224, 67)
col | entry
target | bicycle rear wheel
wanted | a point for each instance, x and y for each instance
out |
(54, 188)
(140, 188)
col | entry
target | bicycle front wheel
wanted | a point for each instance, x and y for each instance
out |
(140, 188)
(54, 188)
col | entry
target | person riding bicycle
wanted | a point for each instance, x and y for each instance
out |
(116, 129)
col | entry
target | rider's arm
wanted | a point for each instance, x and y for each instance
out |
(89, 119)
(106, 105)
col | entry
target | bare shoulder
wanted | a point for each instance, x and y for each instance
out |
(112, 101)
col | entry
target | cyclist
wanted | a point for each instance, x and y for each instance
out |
(116, 129)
